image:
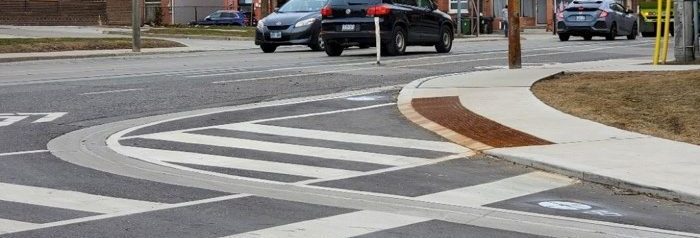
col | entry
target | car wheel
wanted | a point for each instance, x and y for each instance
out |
(397, 44)
(334, 49)
(633, 34)
(564, 37)
(318, 44)
(648, 34)
(446, 38)
(587, 38)
(613, 32)
(268, 48)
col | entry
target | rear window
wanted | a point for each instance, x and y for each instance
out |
(574, 7)
(355, 2)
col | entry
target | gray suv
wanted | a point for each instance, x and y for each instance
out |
(596, 18)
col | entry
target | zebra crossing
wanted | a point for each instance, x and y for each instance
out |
(357, 151)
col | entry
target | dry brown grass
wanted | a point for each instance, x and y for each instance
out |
(662, 104)
(26, 45)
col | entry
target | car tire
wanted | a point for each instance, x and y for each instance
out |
(564, 37)
(587, 38)
(613, 32)
(397, 42)
(334, 49)
(268, 48)
(634, 33)
(446, 38)
(648, 34)
(318, 44)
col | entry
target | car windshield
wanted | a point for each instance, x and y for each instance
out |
(303, 6)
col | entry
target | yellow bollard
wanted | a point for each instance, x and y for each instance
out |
(667, 25)
(657, 45)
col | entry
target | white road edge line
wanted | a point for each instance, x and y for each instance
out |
(24, 152)
(113, 91)
(339, 226)
(69, 199)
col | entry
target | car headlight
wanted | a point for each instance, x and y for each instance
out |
(304, 23)
(261, 25)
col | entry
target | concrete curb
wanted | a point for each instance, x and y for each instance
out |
(181, 36)
(404, 103)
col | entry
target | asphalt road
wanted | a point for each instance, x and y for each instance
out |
(343, 161)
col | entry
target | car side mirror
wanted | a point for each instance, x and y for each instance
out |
(277, 9)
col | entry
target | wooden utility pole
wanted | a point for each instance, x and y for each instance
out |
(136, 25)
(514, 59)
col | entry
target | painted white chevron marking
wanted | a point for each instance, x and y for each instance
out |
(7, 119)
(70, 199)
(512, 187)
(347, 137)
(236, 163)
(345, 225)
(8, 226)
(319, 152)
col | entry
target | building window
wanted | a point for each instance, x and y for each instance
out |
(454, 5)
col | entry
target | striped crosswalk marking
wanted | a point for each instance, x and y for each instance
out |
(69, 199)
(8, 226)
(345, 225)
(319, 152)
(486, 193)
(236, 163)
(346, 137)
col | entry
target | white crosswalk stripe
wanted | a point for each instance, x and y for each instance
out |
(237, 163)
(345, 225)
(486, 193)
(346, 137)
(319, 152)
(69, 199)
(8, 226)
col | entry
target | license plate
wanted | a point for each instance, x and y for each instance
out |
(580, 18)
(275, 35)
(348, 27)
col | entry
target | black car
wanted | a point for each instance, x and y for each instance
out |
(402, 22)
(298, 22)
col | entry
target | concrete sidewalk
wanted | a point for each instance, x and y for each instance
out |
(495, 112)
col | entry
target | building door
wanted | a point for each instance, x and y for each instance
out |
(541, 12)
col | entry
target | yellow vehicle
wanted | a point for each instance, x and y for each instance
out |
(647, 17)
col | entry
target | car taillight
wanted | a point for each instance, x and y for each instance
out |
(327, 11)
(378, 11)
(603, 14)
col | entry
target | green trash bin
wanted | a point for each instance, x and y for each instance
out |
(466, 26)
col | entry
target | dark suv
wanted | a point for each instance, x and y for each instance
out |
(402, 22)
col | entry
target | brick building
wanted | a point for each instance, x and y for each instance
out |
(53, 12)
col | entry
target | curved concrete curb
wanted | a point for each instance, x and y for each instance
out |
(556, 161)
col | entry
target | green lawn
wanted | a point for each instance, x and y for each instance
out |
(26, 45)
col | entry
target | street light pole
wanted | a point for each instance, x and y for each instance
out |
(514, 57)
(459, 17)
(136, 25)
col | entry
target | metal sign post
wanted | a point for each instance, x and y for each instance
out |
(459, 17)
